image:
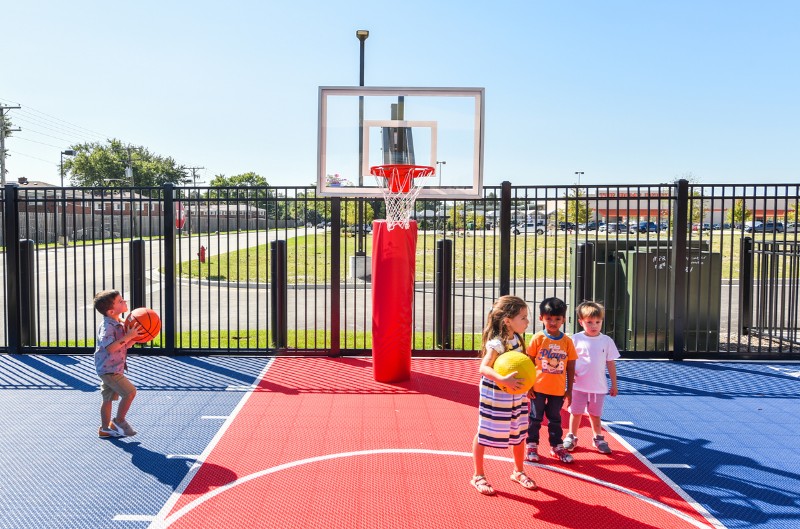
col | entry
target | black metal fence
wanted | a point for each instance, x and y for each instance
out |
(683, 270)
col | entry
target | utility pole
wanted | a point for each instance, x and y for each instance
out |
(3, 131)
(194, 173)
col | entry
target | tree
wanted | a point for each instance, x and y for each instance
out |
(104, 165)
(739, 214)
(576, 211)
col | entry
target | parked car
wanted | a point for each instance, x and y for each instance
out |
(646, 226)
(752, 225)
(354, 228)
(615, 227)
(528, 227)
(769, 227)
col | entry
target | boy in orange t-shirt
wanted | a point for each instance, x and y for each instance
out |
(554, 355)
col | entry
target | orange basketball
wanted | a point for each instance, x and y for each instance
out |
(149, 320)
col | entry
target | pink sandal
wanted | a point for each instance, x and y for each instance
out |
(482, 486)
(523, 479)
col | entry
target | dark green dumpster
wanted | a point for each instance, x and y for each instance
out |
(633, 280)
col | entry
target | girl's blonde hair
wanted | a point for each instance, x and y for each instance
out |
(504, 307)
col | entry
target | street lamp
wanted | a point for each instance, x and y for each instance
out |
(440, 164)
(68, 152)
(579, 173)
(361, 35)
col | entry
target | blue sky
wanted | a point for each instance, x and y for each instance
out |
(626, 91)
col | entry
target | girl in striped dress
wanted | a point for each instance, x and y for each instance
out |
(503, 417)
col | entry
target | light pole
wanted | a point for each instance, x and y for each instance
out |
(440, 164)
(361, 35)
(68, 152)
(579, 173)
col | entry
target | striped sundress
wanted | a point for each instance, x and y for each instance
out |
(503, 417)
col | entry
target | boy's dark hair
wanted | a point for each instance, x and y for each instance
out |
(553, 307)
(104, 300)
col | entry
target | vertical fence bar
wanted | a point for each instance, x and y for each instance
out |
(11, 235)
(336, 275)
(505, 238)
(278, 293)
(746, 273)
(169, 270)
(137, 295)
(678, 306)
(443, 328)
(27, 290)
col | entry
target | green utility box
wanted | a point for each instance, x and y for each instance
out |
(634, 281)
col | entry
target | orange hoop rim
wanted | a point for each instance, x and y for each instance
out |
(414, 170)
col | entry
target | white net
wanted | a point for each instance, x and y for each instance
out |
(400, 185)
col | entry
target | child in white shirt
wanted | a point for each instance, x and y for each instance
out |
(596, 353)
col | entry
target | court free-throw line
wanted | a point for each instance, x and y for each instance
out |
(174, 517)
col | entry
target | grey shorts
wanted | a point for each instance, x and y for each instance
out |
(114, 386)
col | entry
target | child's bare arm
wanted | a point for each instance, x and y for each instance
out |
(130, 336)
(612, 374)
(570, 381)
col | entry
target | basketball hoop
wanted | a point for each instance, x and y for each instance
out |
(399, 185)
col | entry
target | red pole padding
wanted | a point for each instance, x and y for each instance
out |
(393, 259)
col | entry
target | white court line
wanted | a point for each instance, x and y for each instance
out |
(621, 423)
(241, 388)
(173, 499)
(183, 456)
(672, 465)
(133, 518)
(166, 522)
(674, 486)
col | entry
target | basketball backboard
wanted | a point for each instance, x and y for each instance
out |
(362, 127)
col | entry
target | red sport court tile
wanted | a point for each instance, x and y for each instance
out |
(318, 443)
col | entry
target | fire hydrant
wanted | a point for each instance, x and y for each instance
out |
(202, 254)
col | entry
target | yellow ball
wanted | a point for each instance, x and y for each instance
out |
(521, 363)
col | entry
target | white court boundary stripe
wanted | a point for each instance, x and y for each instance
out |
(173, 499)
(160, 523)
(671, 484)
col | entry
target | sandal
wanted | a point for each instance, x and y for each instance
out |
(481, 485)
(523, 479)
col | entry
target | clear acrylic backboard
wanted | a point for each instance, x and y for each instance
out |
(363, 127)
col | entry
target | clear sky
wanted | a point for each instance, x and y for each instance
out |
(627, 91)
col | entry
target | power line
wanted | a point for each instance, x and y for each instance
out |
(55, 119)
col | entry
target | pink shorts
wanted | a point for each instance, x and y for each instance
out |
(583, 402)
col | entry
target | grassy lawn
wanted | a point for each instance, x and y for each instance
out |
(476, 257)
(224, 339)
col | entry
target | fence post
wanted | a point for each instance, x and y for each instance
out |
(336, 274)
(444, 294)
(679, 272)
(137, 274)
(278, 291)
(584, 273)
(505, 238)
(170, 306)
(11, 236)
(27, 288)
